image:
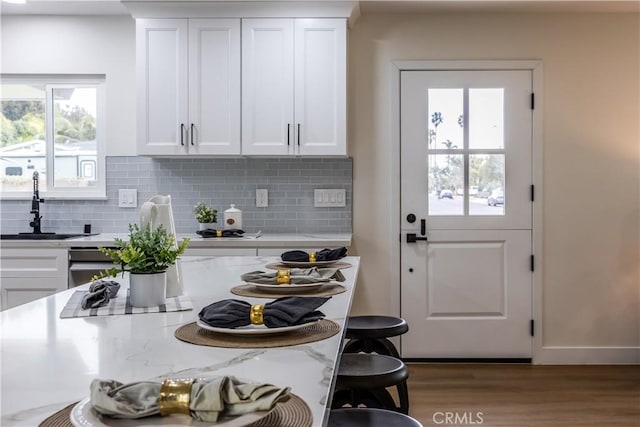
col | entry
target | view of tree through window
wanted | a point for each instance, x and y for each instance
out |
(32, 111)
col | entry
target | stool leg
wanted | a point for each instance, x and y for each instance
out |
(376, 399)
(383, 396)
(385, 347)
(379, 345)
(341, 398)
(355, 345)
(403, 394)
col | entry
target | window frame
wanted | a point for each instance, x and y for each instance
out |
(98, 192)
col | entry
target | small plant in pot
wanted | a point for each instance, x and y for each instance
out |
(205, 215)
(146, 256)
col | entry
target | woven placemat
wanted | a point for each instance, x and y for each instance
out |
(316, 331)
(321, 291)
(292, 413)
(280, 266)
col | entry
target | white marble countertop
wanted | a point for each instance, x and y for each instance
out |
(48, 362)
(266, 240)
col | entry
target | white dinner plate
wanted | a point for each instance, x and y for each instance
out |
(251, 329)
(288, 288)
(303, 264)
(83, 415)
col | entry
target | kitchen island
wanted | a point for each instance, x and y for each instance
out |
(48, 363)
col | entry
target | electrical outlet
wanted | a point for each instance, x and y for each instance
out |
(329, 198)
(127, 198)
(262, 198)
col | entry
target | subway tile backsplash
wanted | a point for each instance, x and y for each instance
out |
(219, 182)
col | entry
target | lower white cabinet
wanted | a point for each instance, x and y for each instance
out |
(29, 274)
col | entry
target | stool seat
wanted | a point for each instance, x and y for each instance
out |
(363, 378)
(369, 334)
(366, 371)
(369, 417)
(375, 326)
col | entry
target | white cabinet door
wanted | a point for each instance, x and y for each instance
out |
(161, 50)
(321, 86)
(267, 86)
(214, 86)
(29, 274)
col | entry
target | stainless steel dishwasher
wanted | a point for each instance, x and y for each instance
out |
(84, 263)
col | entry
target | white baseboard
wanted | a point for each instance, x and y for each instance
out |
(587, 355)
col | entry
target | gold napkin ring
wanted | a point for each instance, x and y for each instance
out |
(218, 233)
(312, 257)
(283, 277)
(257, 314)
(174, 396)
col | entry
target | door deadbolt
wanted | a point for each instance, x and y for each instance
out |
(411, 218)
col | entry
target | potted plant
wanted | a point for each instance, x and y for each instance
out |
(146, 256)
(205, 215)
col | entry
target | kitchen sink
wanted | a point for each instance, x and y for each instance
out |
(41, 236)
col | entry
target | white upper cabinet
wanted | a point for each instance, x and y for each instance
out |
(188, 86)
(267, 86)
(294, 87)
(321, 86)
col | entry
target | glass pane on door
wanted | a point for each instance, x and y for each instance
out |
(486, 118)
(445, 121)
(446, 184)
(486, 184)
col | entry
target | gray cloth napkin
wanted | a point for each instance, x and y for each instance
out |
(100, 292)
(298, 276)
(211, 398)
(285, 311)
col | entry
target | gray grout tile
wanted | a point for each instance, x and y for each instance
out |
(219, 182)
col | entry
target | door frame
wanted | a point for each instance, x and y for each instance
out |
(535, 66)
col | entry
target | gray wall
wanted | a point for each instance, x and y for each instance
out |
(219, 182)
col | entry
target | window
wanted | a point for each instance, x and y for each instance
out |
(466, 153)
(53, 126)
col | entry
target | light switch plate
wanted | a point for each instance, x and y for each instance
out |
(329, 198)
(127, 198)
(262, 198)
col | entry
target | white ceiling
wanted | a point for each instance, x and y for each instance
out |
(426, 6)
(114, 7)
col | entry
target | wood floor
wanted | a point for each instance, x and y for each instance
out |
(525, 395)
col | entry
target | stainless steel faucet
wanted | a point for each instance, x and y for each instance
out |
(35, 206)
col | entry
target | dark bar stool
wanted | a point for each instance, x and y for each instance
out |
(369, 417)
(363, 380)
(369, 334)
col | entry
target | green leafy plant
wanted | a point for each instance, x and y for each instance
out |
(205, 214)
(147, 251)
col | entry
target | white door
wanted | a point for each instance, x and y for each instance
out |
(161, 54)
(267, 86)
(466, 198)
(321, 86)
(214, 86)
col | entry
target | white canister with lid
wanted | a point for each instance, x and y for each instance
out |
(232, 218)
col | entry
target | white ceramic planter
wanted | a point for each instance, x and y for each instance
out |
(147, 290)
(206, 225)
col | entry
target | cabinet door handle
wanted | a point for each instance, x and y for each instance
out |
(298, 134)
(288, 133)
(191, 134)
(182, 134)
